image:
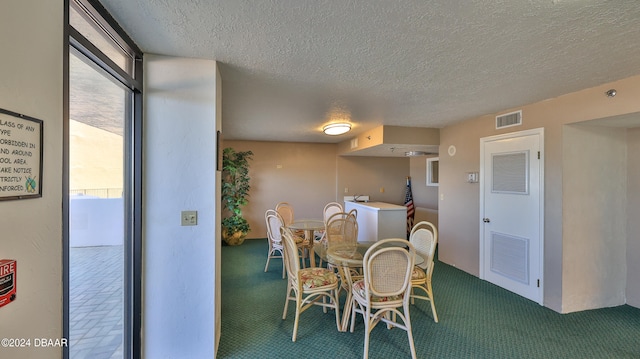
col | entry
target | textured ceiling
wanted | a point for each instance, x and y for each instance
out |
(290, 66)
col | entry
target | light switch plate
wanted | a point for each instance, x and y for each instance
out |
(189, 218)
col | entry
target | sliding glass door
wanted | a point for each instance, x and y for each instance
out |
(98, 109)
(103, 165)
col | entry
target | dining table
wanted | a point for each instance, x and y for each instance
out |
(309, 226)
(348, 259)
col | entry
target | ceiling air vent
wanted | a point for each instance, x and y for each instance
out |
(509, 119)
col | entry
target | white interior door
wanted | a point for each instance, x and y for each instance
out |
(511, 209)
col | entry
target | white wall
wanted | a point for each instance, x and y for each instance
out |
(96, 221)
(594, 229)
(31, 39)
(458, 209)
(179, 174)
(423, 195)
(633, 225)
(84, 140)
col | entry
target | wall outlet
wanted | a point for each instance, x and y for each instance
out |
(189, 218)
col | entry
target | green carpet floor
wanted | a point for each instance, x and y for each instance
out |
(477, 320)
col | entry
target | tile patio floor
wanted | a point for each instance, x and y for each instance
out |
(96, 304)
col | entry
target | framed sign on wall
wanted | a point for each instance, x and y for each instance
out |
(20, 156)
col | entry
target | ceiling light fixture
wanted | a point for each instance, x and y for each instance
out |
(334, 129)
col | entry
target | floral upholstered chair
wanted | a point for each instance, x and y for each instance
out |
(285, 210)
(383, 294)
(309, 286)
(276, 249)
(424, 237)
(342, 230)
(321, 236)
(329, 210)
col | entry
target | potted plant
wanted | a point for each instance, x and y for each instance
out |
(235, 190)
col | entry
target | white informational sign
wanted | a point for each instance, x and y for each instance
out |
(20, 156)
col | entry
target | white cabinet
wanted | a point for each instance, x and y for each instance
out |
(379, 220)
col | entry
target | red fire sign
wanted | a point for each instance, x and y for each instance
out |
(8, 269)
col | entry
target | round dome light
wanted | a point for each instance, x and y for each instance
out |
(334, 129)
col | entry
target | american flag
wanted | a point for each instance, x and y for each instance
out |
(408, 202)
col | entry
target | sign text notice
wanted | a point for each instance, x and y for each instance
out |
(20, 156)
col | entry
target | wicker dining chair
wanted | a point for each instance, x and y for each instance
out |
(274, 238)
(424, 237)
(342, 230)
(385, 288)
(329, 209)
(285, 210)
(309, 286)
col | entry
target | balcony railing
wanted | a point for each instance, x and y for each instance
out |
(98, 192)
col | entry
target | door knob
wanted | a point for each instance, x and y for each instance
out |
(486, 220)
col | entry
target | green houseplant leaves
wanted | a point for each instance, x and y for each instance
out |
(235, 190)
